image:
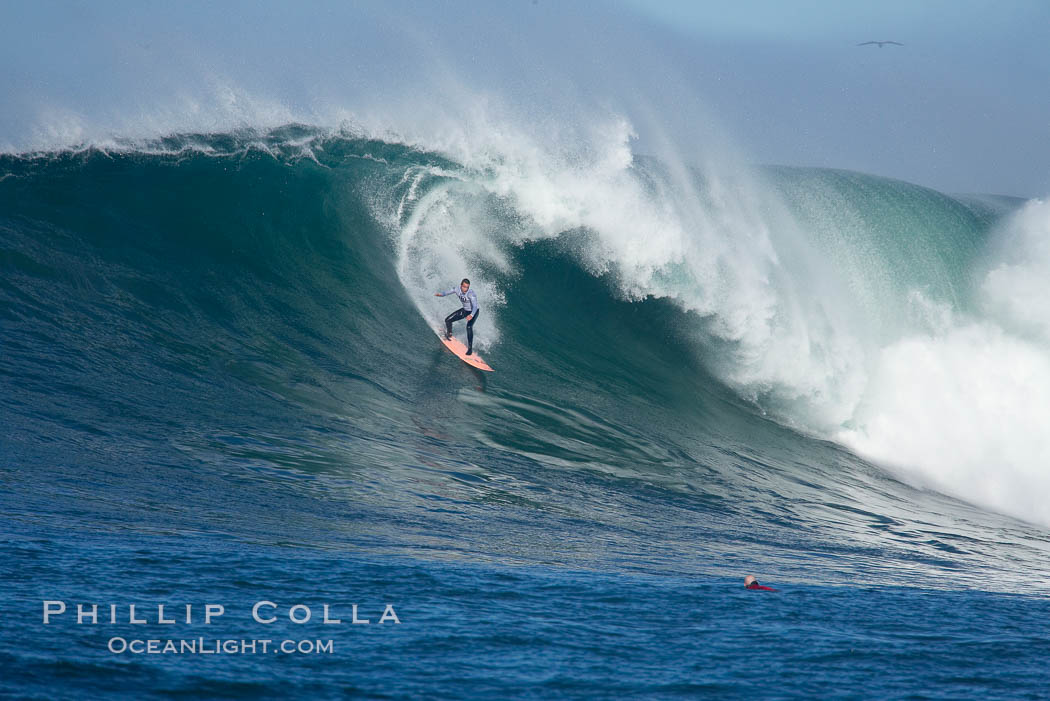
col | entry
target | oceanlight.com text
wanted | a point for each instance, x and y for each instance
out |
(219, 646)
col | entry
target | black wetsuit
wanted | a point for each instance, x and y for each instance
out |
(462, 314)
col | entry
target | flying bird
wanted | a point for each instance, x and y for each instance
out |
(880, 43)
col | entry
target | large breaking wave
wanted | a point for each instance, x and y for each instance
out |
(907, 325)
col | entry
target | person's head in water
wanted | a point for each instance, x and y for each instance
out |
(751, 583)
(464, 285)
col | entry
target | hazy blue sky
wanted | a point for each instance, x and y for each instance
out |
(963, 106)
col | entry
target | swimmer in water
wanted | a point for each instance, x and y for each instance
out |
(751, 583)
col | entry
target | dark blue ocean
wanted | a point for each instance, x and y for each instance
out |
(220, 386)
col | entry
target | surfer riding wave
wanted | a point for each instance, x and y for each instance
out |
(469, 310)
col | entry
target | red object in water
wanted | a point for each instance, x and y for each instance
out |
(759, 587)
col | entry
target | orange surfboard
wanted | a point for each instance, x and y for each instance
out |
(456, 346)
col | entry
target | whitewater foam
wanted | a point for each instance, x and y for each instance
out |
(965, 408)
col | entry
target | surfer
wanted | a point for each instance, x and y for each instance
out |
(469, 310)
(751, 583)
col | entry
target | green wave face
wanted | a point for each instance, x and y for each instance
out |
(663, 337)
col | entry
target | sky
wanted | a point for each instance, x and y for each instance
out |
(963, 106)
